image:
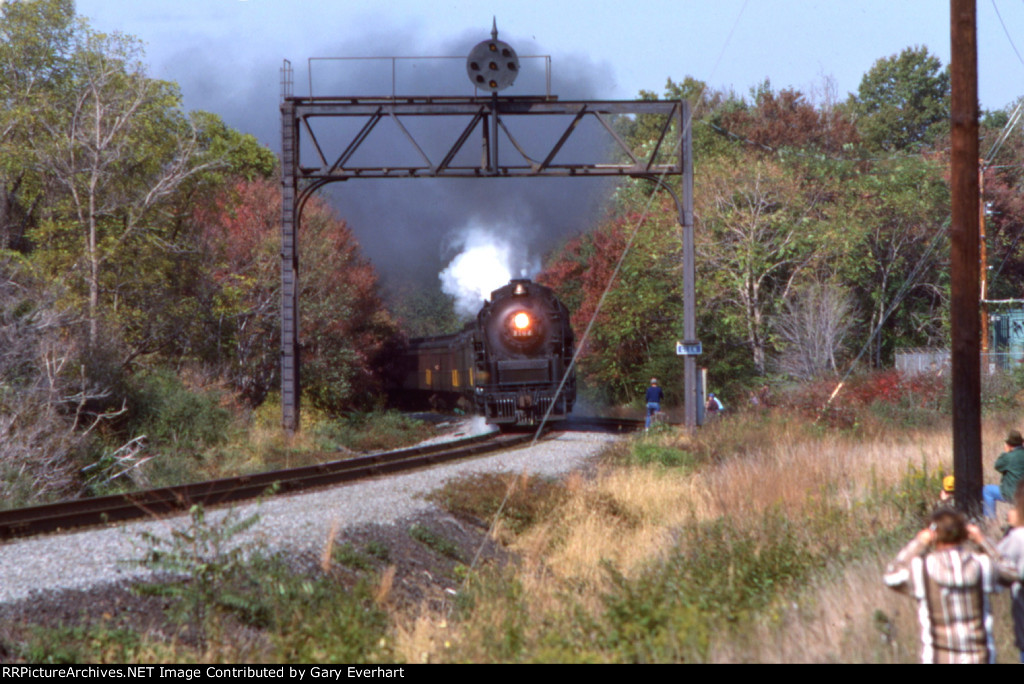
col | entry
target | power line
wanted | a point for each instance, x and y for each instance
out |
(1007, 32)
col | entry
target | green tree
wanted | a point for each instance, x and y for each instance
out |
(758, 233)
(1003, 144)
(895, 248)
(641, 132)
(424, 311)
(167, 308)
(636, 327)
(36, 42)
(901, 100)
(118, 147)
(226, 154)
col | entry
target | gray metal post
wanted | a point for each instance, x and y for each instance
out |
(690, 397)
(290, 387)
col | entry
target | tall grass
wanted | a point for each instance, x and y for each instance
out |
(761, 538)
(757, 540)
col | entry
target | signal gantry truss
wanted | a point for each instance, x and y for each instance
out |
(480, 115)
(320, 147)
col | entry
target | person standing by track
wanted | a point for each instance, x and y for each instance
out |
(654, 397)
(713, 407)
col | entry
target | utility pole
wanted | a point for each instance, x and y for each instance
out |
(965, 258)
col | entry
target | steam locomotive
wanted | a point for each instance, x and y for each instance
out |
(506, 365)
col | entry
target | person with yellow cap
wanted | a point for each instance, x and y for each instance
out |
(946, 495)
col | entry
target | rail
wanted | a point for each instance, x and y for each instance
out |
(68, 515)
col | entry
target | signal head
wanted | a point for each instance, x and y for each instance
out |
(492, 64)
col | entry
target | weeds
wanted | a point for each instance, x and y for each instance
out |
(759, 512)
(199, 562)
(380, 431)
(915, 495)
(378, 551)
(764, 545)
(72, 645)
(646, 453)
(316, 618)
(330, 624)
(494, 601)
(302, 617)
(521, 500)
(719, 573)
(347, 555)
(435, 542)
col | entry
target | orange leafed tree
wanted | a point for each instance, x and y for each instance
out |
(787, 119)
(344, 326)
(634, 332)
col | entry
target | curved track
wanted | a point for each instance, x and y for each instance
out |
(65, 515)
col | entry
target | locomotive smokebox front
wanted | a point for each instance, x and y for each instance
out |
(527, 347)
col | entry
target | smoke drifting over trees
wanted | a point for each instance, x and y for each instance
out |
(406, 227)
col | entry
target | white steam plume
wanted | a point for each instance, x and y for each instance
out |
(487, 259)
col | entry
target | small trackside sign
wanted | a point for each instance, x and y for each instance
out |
(692, 348)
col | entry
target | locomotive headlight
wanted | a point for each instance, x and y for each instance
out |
(521, 321)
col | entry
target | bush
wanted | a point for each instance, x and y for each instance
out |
(646, 453)
(377, 431)
(171, 415)
(718, 572)
(907, 400)
(201, 562)
(80, 644)
(50, 405)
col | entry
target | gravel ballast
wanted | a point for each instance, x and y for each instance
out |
(299, 524)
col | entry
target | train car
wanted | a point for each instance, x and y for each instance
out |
(507, 365)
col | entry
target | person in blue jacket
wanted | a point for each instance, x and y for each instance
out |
(653, 399)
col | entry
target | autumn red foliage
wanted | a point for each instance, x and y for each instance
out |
(787, 119)
(886, 387)
(631, 339)
(343, 324)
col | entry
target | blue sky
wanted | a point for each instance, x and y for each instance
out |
(226, 55)
(729, 43)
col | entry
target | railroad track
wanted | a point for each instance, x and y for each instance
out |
(590, 423)
(66, 515)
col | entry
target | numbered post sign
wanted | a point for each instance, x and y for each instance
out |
(689, 348)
